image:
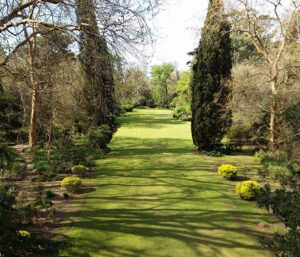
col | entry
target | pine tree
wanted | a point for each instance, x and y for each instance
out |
(211, 92)
(97, 65)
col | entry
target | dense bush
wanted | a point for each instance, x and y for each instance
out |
(15, 241)
(227, 171)
(247, 190)
(182, 112)
(50, 194)
(79, 169)
(238, 135)
(100, 136)
(214, 153)
(66, 153)
(71, 184)
(292, 116)
(284, 202)
(12, 164)
(10, 116)
(259, 131)
(40, 167)
(127, 108)
(271, 158)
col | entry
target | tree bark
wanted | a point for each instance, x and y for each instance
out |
(97, 65)
(34, 96)
(272, 140)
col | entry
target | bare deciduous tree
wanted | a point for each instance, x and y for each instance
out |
(121, 22)
(272, 26)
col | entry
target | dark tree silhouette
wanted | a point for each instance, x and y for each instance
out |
(211, 92)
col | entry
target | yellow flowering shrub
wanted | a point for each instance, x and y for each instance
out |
(247, 189)
(24, 233)
(227, 171)
(71, 184)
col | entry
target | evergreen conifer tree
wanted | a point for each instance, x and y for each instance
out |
(97, 65)
(211, 91)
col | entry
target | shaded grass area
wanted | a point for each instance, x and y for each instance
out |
(154, 196)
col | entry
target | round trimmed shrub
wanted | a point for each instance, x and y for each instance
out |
(247, 189)
(227, 171)
(71, 184)
(79, 169)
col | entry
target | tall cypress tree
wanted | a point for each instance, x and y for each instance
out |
(97, 65)
(211, 91)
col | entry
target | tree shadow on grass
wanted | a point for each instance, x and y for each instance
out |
(85, 190)
(183, 227)
(153, 194)
(240, 178)
(156, 215)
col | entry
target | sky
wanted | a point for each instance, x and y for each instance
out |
(176, 31)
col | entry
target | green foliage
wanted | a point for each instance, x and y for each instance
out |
(210, 83)
(278, 172)
(12, 164)
(46, 177)
(239, 135)
(162, 83)
(71, 184)
(292, 116)
(100, 136)
(127, 108)
(66, 153)
(40, 167)
(183, 88)
(10, 116)
(79, 169)
(227, 171)
(49, 194)
(183, 99)
(15, 242)
(96, 63)
(268, 158)
(285, 245)
(284, 202)
(36, 188)
(43, 203)
(247, 190)
(214, 153)
(132, 88)
(243, 48)
(183, 112)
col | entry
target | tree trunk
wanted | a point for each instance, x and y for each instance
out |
(33, 120)
(273, 113)
(34, 96)
(167, 96)
(97, 65)
(1, 88)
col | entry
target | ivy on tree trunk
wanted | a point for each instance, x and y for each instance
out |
(97, 66)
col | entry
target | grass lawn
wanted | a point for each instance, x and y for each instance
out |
(154, 196)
